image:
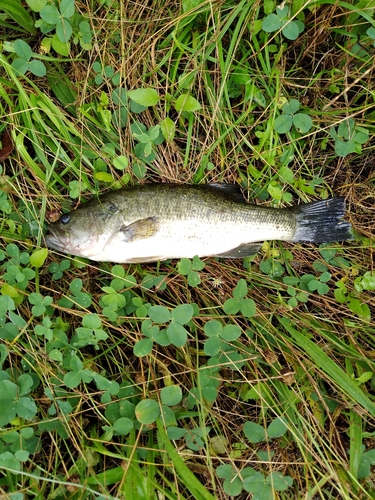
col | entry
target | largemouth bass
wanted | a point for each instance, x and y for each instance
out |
(162, 221)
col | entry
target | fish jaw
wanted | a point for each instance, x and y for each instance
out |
(64, 241)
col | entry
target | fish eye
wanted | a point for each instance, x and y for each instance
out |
(64, 219)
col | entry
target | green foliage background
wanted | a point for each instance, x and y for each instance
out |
(195, 378)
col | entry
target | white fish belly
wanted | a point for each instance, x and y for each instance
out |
(177, 239)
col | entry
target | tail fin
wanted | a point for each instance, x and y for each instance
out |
(321, 221)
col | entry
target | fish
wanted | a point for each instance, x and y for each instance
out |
(156, 222)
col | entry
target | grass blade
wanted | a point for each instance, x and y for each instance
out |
(195, 487)
(326, 364)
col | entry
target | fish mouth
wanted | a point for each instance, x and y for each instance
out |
(68, 242)
(57, 240)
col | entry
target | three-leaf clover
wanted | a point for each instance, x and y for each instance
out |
(173, 333)
(14, 400)
(190, 269)
(348, 137)
(239, 302)
(40, 303)
(59, 18)
(148, 411)
(23, 63)
(77, 374)
(282, 21)
(217, 333)
(77, 297)
(90, 333)
(301, 121)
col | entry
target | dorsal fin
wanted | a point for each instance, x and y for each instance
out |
(232, 191)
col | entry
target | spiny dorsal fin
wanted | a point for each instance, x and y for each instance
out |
(232, 191)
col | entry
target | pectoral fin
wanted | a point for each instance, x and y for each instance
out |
(242, 251)
(140, 229)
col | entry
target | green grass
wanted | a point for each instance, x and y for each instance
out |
(262, 384)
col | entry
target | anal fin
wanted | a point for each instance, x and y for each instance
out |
(242, 251)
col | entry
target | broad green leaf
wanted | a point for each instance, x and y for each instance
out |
(23, 50)
(366, 282)
(154, 133)
(278, 481)
(233, 486)
(168, 129)
(254, 432)
(67, 8)
(343, 148)
(64, 30)
(213, 328)
(26, 408)
(159, 314)
(171, 395)
(182, 314)
(143, 347)
(175, 432)
(256, 484)
(212, 346)
(232, 306)
(72, 379)
(283, 123)
(248, 307)
(37, 68)
(76, 286)
(104, 384)
(20, 66)
(197, 264)
(277, 428)
(104, 177)
(38, 257)
(8, 461)
(91, 321)
(3, 354)
(193, 279)
(271, 23)
(121, 162)
(361, 135)
(24, 382)
(184, 266)
(147, 411)
(282, 11)
(123, 426)
(231, 332)
(291, 107)
(36, 5)
(145, 97)
(225, 471)
(240, 290)
(186, 102)
(286, 173)
(177, 334)
(346, 128)
(291, 30)
(302, 122)
(50, 14)
(61, 48)
(22, 456)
